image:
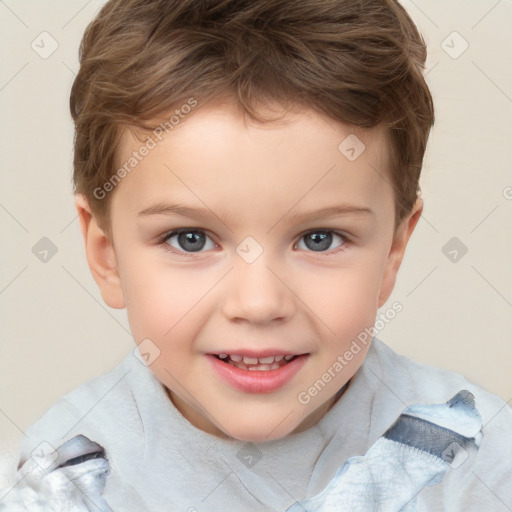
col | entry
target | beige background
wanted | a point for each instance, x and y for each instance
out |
(56, 331)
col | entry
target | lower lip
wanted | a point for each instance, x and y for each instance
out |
(257, 381)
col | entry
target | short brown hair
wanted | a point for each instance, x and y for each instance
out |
(360, 62)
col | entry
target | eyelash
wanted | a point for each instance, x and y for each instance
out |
(162, 241)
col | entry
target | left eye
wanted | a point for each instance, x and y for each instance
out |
(319, 241)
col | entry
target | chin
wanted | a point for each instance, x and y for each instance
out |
(258, 436)
(259, 432)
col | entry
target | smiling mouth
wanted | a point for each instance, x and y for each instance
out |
(256, 364)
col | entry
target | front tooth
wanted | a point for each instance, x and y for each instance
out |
(236, 358)
(250, 360)
(260, 367)
(266, 360)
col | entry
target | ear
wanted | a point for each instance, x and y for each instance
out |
(100, 256)
(397, 251)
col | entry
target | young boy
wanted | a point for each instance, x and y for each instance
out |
(246, 175)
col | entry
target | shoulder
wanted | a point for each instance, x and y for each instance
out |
(478, 482)
(416, 382)
(89, 409)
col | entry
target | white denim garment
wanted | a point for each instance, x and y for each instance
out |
(159, 461)
(70, 478)
(416, 452)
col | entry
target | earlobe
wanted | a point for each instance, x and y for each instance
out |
(100, 256)
(397, 251)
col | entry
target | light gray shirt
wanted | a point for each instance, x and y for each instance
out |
(161, 462)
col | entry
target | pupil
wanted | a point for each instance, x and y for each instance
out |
(321, 241)
(191, 241)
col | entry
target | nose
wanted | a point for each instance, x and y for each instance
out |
(257, 293)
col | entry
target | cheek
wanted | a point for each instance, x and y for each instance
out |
(160, 301)
(345, 299)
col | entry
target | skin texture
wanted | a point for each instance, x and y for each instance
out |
(294, 297)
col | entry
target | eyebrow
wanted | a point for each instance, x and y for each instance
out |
(179, 209)
(205, 213)
(330, 211)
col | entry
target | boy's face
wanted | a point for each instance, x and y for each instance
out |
(257, 271)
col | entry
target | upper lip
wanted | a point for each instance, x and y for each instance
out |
(257, 354)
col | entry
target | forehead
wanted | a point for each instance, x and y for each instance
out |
(218, 157)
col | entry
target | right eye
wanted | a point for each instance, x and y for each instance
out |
(187, 240)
